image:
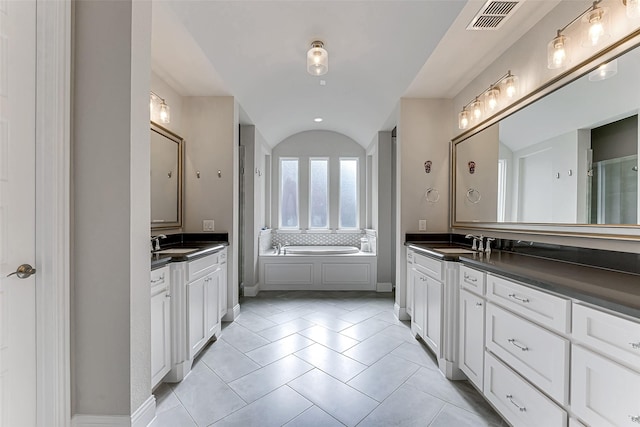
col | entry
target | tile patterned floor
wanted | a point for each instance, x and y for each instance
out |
(319, 359)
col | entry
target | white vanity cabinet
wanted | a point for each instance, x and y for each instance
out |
(223, 283)
(605, 368)
(410, 256)
(160, 325)
(472, 323)
(434, 304)
(196, 315)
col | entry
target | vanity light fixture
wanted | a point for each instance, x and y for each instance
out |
(502, 91)
(159, 107)
(317, 59)
(557, 51)
(604, 71)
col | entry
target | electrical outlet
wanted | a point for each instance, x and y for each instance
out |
(207, 225)
(422, 225)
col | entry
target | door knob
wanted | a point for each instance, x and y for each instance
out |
(24, 271)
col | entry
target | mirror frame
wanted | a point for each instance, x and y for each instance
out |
(600, 231)
(180, 142)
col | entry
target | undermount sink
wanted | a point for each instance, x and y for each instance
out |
(454, 250)
(176, 251)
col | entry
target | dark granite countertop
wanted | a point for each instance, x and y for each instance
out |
(615, 290)
(200, 249)
(159, 260)
(203, 244)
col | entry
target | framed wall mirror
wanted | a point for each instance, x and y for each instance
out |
(565, 163)
(166, 178)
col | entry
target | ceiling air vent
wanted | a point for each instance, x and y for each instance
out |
(493, 14)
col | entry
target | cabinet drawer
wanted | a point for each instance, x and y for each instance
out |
(613, 335)
(548, 310)
(518, 401)
(159, 279)
(429, 266)
(536, 353)
(603, 393)
(201, 266)
(472, 280)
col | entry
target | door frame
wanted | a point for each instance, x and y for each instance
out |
(53, 211)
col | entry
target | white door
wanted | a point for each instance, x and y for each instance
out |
(17, 213)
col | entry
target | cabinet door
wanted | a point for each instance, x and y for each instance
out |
(603, 393)
(223, 289)
(419, 317)
(212, 307)
(196, 315)
(434, 315)
(410, 283)
(472, 337)
(160, 337)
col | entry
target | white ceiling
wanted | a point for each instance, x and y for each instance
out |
(379, 51)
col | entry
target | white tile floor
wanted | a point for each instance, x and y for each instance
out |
(319, 359)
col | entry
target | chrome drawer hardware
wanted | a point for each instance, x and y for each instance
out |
(158, 280)
(514, 342)
(515, 297)
(478, 304)
(635, 345)
(635, 419)
(521, 408)
(470, 278)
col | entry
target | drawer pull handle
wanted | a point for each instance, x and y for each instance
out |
(470, 278)
(514, 342)
(635, 419)
(515, 297)
(158, 280)
(478, 304)
(635, 345)
(521, 408)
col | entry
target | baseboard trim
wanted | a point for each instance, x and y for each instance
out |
(400, 312)
(252, 291)
(143, 416)
(232, 314)
(80, 420)
(384, 287)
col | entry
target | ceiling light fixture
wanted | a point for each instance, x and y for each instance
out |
(317, 119)
(500, 93)
(317, 59)
(595, 22)
(158, 108)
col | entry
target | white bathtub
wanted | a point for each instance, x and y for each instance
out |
(319, 250)
(318, 268)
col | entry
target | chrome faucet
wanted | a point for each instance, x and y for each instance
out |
(155, 242)
(488, 248)
(476, 239)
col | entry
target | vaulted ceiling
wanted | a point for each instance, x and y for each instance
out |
(379, 51)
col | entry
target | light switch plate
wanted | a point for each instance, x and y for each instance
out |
(207, 225)
(422, 225)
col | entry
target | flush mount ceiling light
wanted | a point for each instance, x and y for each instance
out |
(317, 59)
(318, 119)
(500, 93)
(604, 71)
(158, 109)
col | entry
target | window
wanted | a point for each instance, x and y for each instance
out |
(348, 217)
(319, 193)
(289, 204)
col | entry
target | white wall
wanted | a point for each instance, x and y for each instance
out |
(210, 128)
(111, 165)
(317, 143)
(423, 133)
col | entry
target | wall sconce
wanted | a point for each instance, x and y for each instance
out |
(317, 59)
(159, 108)
(499, 93)
(595, 22)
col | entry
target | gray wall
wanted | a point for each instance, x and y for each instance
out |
(317, 143)
(210, 127)
(110, 355)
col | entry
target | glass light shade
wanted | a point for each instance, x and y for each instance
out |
(492, 98)
(596, 27)
(317, 59)
(604, 71)
(633, 9)
(557, 52)
(510, 86)
(477, 108)
(164, 114)
(463, 119)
